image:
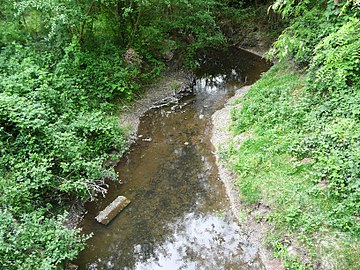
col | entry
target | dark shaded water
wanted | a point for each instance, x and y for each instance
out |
(179, 215)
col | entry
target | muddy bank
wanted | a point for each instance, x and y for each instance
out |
(221, 136)
(168, 89)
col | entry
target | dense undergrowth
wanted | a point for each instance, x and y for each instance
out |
(55, 137)
(301, 160)
(65, 66)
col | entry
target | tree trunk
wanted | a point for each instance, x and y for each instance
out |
(84, 21)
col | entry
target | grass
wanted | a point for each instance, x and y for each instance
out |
(307, 234)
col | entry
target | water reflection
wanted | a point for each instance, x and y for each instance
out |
(199, 242)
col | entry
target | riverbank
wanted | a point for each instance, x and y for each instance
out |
(220, 138)
(168, 89)
(275, 189)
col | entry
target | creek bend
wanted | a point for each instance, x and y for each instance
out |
(179, 216)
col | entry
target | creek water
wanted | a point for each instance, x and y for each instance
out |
(179, 215)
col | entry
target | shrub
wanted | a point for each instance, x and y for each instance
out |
(54, 141)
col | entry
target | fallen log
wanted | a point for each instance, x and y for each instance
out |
(112, 210)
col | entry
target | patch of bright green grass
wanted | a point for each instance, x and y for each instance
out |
(303, 208)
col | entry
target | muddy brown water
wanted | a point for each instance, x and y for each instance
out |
(179, 216)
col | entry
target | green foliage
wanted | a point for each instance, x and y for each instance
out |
(335, 67)
(333, 83)
(310, 22)
(331, 128)
(302, 159)
(65, 65)
(101, 73)
(54, 142)
(10, 29)
(36, 242)
(183, 25)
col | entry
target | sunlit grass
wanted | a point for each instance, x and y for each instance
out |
(301, 209)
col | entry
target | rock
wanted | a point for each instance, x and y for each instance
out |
(186, 143)
(147, 139)
(112, 210)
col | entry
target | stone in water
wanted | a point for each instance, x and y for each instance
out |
(111, 211)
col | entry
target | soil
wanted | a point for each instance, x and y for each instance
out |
(166, 90)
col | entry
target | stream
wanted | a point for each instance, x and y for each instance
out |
(179, 216)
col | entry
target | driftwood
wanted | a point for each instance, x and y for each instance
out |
(112, 210)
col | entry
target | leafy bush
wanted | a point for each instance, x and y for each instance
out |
(332, 127)
(34, 241)
(310, 22)
(54, 142)
(335, 67)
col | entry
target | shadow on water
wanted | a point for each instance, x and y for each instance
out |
(179, 216)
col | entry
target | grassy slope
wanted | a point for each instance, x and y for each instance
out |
(301, 207)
